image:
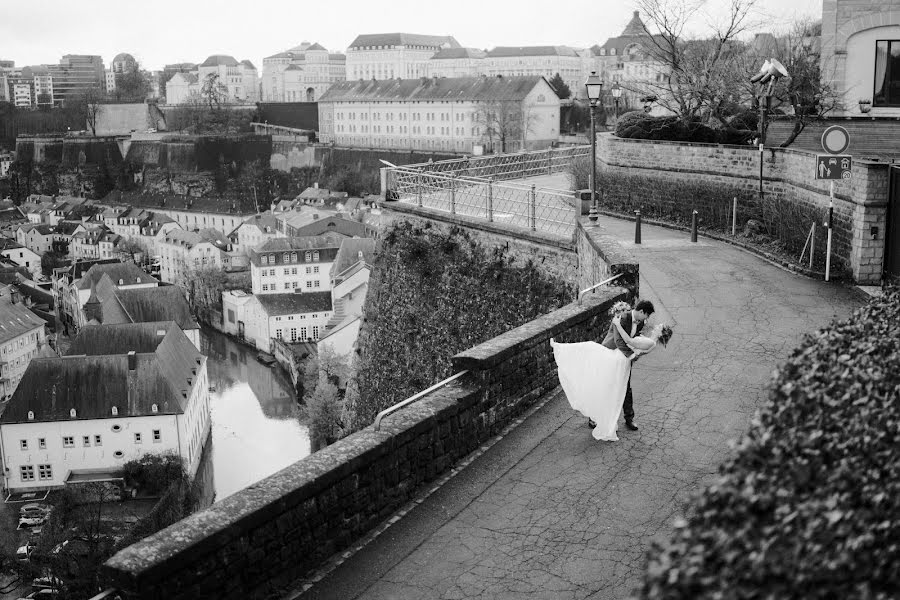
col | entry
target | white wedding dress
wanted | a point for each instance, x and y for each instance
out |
(594, 379)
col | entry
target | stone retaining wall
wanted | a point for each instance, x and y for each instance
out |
(788, 175)
(253, 543)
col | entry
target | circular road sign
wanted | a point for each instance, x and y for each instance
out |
(835, 139)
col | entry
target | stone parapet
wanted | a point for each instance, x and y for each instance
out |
(253, 543)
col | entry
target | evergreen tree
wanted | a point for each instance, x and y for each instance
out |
(562, 90)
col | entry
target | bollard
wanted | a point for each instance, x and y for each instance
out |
(637, 227)
(452, 195)
(694, 226)
(734, 218)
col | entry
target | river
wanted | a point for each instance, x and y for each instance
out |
(254, 430)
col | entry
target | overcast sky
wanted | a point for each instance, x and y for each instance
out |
(170, 31)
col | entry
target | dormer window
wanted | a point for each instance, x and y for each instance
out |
(293, 257)
(264, 259)
(115, 411)
(154, 408)
(271, 259)
(72, 413)
(316, 255)
(138, 280)
(286, 257)
(308, 256)
(31, 415)
(121, 282)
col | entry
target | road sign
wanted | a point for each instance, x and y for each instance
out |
(835, 140)
(833, 166)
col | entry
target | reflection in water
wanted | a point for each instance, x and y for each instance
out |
(254, 431)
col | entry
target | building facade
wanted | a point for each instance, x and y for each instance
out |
(184, 252)
(75, 75)
(501, 114)
(390, 55)
(457, 62)
(22, 336)
(545, 61)
(301, 74)
(286, 265)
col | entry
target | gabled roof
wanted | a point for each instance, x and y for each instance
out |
(449, 53)
(404, 39)
(120, 338)
(219, 59)
(147, 305)
(92, 384)
(294, 304)
(634, 33)
(128, 273)
(188, 78)
(15, 319)
(9, 243)
(262, 221)
(350, 251)
(435, 89)
(332, 224)
(44, 229)
(66, 227)
(315, 242)
(248, 64)
(508, 51)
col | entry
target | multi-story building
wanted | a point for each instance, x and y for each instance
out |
(21, 93)
(545, 61)
(22, 335)
(20, 255)
(301, 74)
(349, 286)
(124, 390)
(254, 231)
(457, 62)
(451, 114)
(182, 88)
(40, 86)
(183, 252)
(390, 55)
(239, 80)
(110, 81)
(73, 286)
(286, 265)
(75, 75)
(289, 317)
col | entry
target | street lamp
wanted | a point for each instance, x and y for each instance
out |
(617, 93)
(594, 87)
(769, 74)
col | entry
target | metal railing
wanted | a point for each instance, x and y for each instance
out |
(107, 594)
(412, 399)
(595, 286)
(516, 165)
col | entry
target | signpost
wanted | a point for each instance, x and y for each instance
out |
(834, 165)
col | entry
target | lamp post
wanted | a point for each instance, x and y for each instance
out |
(617, 93)
(594, 87)
(769, 74)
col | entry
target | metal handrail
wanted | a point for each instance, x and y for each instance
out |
(412, 399)
(105, 594)
(593, 287)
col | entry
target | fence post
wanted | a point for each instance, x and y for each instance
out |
(419, 189)
(549, 161)
(452, 195)
(694, 226)
(812, 245)
(637, 226)
(490, 200)
(734, 218)
(533, 206)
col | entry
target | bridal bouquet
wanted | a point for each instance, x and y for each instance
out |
(619, 308)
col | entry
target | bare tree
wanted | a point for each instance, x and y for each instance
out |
(506, 121)
(90, 104)
(213, 91)
(699, 74)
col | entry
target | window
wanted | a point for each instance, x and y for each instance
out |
(137, 438)
(265, 287)
(309, 284)
(315, 269)
(68, 441)
(278, 334)
(287, 271)
(294, 285)
(308, 270)
(115, 410)
(294, 271)
(293, 334)
(264, 259)
(315, 331)
(42, 443)
(23, 444)
(45, 472)
(316, 283)
(887, 73)
(157, 436)
(86, 440)
(287, 285)
(27, 472)
(98, 441)
(303, 335)
(286, 257)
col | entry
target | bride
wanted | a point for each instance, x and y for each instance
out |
(594, 377)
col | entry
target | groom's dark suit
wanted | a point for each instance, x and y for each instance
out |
(612, 341)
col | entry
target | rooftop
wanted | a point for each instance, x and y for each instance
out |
(509, 51)
(295, 304)
(128, 273)
(350, 251)
(15, 318)
(404, 39)
(434, 89)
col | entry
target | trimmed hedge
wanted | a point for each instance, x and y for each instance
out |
(640, 125)
(810, 505)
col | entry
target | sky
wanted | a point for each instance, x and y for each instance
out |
(172, 31)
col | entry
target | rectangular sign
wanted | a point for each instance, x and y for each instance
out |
(833, 166)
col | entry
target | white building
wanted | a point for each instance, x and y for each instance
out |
(239, 80)
(545, 61)
(131, 390)
(457, 62)
(502, 114)
(350, 284)
(286, 265)
(22, 336)
(20, 255)
(182, 252)
(182, 88)
(254, 231)
(289, 317)
(390, 55)
(73, 296)
(301, 74)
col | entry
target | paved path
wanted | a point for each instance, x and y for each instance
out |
(548, 512)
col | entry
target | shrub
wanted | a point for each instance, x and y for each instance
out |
(433, 293)
(810, 505)
(154, 473)
(639, 125)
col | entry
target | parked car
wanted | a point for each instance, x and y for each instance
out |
(31, 522)
(23, 553)
(46, 583)
(35, 510)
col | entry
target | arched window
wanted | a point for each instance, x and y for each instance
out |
(308, 256)
(72, 413)
(286, 257)
(154, 408)
(293, 257)
(316, 255)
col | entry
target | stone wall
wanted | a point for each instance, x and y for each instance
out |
(253, 543)
(789, 176)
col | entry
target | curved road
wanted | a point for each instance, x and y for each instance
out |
(547, 512)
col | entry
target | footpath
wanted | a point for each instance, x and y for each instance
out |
(549, 513)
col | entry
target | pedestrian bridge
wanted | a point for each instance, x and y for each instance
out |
(490, 486)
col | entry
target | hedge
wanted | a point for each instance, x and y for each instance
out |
(809, 507)
(640, 125)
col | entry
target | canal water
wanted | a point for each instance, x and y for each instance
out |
(255, 432)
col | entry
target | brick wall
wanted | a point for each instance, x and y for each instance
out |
(261, 538)
(788, 177)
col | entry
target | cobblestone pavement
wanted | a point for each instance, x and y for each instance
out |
(550, 513)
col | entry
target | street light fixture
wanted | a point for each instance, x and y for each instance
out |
(594, 87)
(617, 93)
(769, 74)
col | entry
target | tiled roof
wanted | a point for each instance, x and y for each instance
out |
(316, 46)
(188, 78)
(348, 255)
(44, 229)
(120, 338)
(11, 214)
(164, 303)
(129, 273)
(151, 200)
(248, 64)
(295, 304)
(435, 89)
(66, 227)
(314, 242)
(220, 59)
(634, 33)
(448, 53)
(262, 221)
(15, 319)
(93, 384)
(508, 51)
(314, 193)
(9, 243)
(332, 224)
(403, 39)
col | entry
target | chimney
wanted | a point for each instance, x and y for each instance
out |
(14, 296)
(316, 185)
(132, 360)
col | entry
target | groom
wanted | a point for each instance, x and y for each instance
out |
(632, 322)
